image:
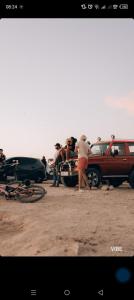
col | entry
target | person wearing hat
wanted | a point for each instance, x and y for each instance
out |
(57, 160)
(83, 153)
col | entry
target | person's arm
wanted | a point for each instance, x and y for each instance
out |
(67, 153)
(76, 147)
(63, 154)
(89, 150)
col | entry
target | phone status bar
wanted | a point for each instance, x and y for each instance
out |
(91, 6)
(65, 10)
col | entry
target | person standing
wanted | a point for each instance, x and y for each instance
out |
(83, 153)
(57, 160)
(43, 160)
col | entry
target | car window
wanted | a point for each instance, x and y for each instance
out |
(10, 160)
(119, 149)
(37, 163)
(27, 161)
(131, 148)
(32, 160)
(99, 149)
(23, 161)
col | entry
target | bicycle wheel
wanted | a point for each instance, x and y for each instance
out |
(31, 194)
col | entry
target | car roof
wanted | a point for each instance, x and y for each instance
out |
(22, 157)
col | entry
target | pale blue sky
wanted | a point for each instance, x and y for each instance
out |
(64, 77)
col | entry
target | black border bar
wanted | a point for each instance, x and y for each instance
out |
(51, 276)
(65, 9)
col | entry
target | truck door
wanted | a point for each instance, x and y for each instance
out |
(118, 159)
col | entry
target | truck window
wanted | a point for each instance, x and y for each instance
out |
(119, 147)
(99, 149)
(131, 148)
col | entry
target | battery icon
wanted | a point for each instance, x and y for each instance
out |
(123, 6)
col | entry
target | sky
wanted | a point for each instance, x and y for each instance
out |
(62, 78)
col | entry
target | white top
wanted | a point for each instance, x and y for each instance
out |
(83, 149)
(56, 155)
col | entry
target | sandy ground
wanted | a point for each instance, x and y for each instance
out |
(68, 223)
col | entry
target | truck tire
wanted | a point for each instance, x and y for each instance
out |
(94, 177)
(131, 179)
(116, 182)
(69, 181)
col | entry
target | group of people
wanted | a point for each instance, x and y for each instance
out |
(72, 149)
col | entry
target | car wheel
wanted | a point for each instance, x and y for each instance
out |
(94, 177)
(131, 179)
(116, 182)
(69, 181)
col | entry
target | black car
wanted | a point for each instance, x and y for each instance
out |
(28, 168)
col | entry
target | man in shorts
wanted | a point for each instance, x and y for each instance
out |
(83, 153)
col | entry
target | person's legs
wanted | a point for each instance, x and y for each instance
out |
(85, 178)
(58, 180)
(80, 179)
(57, 176)
(83, 182)
(54, 178)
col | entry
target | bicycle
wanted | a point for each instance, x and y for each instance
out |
(24, 192)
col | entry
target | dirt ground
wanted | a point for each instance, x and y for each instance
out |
(68, 223)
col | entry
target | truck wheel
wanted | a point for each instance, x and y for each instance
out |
(131, 179)
(94, 177)
(69, 181)
(116, 182)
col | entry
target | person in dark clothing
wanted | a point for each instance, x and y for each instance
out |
(2, 156)
(2, 164)
(73, 143)
(43, 160)
(70, 148)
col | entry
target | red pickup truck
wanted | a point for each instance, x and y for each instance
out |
(111, 160)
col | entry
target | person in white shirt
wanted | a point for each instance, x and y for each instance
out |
(83, 153)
